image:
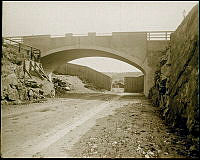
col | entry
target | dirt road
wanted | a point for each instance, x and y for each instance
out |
(87, 125)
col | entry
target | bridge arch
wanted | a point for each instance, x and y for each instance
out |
(56, 57)
(52, 59)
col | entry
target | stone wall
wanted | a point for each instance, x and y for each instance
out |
(175, 88)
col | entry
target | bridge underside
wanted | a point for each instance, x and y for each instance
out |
(52, 61)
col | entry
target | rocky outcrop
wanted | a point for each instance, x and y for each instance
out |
(60, 86)
(17, 88)
(175, 88)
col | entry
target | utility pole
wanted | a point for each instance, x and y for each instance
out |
(184, 14)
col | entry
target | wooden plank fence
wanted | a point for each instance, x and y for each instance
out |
(24, 51)
(134, 84)
(30, 56)
(97, 78)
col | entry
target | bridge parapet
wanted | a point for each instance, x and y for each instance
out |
(150, 35)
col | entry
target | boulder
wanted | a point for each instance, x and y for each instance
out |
(32, 84)
(10, 94)
(9, 88)
(48, 89)
(67, 88)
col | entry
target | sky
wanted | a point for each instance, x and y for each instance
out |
(22, 18)
(102, 64)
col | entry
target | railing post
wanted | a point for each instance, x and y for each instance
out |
(31, 53)
(27, 54)
(24, 69)
(147, 35)
(30, 66)
(19, 47)
(165, 35)
(39, 56)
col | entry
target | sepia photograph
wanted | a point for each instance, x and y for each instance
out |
(100, 79)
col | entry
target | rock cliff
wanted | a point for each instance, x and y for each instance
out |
(175, 88)
(15, 87)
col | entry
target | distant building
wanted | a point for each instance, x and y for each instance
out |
(117, 85)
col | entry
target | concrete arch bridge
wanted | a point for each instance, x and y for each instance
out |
(140, 49)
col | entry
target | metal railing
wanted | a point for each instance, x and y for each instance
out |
(159, 35)
(30, 52)
(15, 38)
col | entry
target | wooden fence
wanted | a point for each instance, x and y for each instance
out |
(29, 55)
(97, 78)
(134, 84)
(24, 51)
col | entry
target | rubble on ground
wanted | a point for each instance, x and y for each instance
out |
(91, 86)
(134, 131)
(61, 86)
(72, 84)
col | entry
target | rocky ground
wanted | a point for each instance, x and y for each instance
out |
(91, 125)
(134, 131)
(72, 84)
(31, 128)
